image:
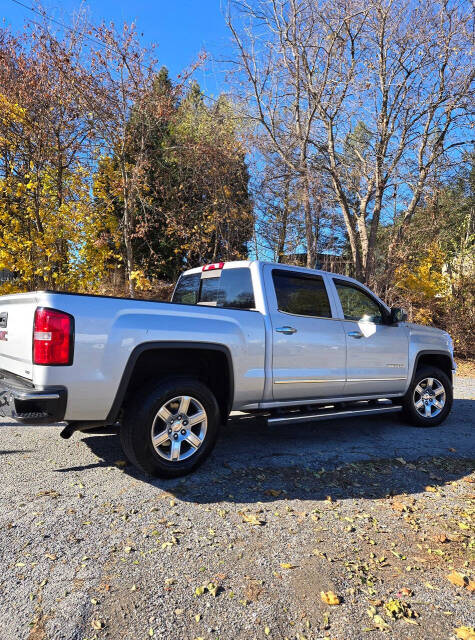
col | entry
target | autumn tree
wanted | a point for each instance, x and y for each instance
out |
(46, 218)
(384, 104)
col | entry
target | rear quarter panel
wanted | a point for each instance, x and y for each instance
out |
(107, 330)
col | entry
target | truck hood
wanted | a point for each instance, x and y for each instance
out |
(423, 328)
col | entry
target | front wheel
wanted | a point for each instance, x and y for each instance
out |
(170, 427)
(429, 398)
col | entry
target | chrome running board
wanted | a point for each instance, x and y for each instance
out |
(331, 414)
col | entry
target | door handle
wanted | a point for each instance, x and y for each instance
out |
(287, 330)
(355, 334)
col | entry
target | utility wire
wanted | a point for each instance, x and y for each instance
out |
(45, 15)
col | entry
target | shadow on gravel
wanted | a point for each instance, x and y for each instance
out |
(348, 459)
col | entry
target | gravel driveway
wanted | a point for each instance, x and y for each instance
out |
(374, 511)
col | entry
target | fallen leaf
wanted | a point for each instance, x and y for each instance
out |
(465, 633)
(405, 592)
(273, 492)
(120, 463)
(398, 609)
(457, 579)
(267, 631)
(441, 538)
(251, 518)
(97, 625)
(287, 565)
(330, 598)
(380, 623)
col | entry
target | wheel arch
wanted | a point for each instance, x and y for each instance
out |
(435, 358)
(209, 362)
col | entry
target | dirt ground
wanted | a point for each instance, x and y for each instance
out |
(376, 515)
(466, 368)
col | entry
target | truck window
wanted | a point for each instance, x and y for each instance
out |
(230, 288)
(301, 295)
(187, 289)
(358, 305)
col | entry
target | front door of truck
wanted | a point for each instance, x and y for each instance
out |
(308, 343)
(377, 353)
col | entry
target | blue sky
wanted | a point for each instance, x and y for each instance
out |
(180, 28)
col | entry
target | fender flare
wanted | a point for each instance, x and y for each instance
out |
(113, 414)
(429, 352)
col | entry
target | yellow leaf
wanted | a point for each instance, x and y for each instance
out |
(198, 617)
(97, 624)
(267, 631)
(330, 598)
(457, 579)
(251, 518)
(287, 565)
(465, 633)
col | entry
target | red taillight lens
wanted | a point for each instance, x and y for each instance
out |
(52, 337)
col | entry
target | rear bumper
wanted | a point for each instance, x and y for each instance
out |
(32, 405)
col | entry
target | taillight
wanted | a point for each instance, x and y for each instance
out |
(211, 267)
(53, 335)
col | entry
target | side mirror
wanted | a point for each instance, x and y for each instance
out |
(397, 315)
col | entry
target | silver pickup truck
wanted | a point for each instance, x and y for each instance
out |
(289, 343)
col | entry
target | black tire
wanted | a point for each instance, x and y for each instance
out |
(410, 412)
(139, 416)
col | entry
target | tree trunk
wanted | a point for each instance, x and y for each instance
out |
(129, 252)
(284, 221)
(309, 234)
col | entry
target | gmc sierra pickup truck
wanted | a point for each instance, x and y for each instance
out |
(289, 343)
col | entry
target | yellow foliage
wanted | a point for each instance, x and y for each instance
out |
(48, 242)
(140, 280)
(424, 281)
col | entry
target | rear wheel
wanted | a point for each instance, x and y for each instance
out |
(429, 398)
(170, 427)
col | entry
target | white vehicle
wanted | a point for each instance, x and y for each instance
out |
(287, 342)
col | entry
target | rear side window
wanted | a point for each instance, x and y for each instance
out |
(187, 289)
(230, 288)
(301, 295)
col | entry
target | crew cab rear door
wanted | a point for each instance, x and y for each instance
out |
(308, 343)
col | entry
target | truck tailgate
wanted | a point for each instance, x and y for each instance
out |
(16, 333)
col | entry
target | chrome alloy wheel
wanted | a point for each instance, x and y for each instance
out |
(429, 397)
(179, 428)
